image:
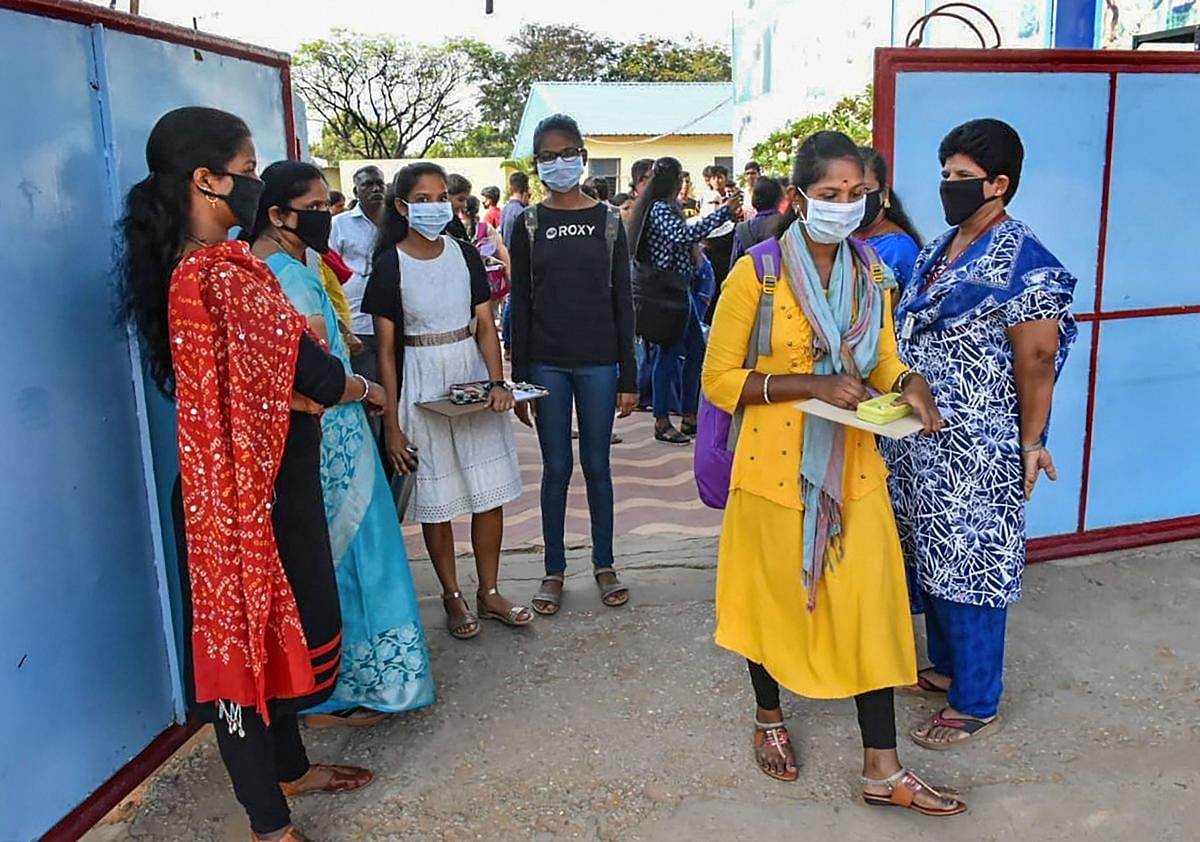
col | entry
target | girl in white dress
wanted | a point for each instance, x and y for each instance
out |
(431, 302)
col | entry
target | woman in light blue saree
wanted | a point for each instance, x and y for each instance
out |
(384, 658)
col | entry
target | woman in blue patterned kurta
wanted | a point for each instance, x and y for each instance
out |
(987, 322)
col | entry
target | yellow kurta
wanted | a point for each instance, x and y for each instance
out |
(337, 297)
(860, 637)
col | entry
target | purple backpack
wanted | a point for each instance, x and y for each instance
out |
(716, 430)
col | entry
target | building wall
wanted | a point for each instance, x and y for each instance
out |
(695, 152)
(793, 58)
(481, 172)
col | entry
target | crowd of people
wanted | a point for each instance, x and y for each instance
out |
(298, 355)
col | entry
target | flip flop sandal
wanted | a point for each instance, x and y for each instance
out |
(344, 719)
(972, 728)
(923, 685)
(774, 735)
(671, 436)
(552, 600)
(615, 439)
(904, 787)
(464, 627)
(517, 617)
(611, 590)
(343, 779)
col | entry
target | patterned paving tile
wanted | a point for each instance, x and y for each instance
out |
(655, 494)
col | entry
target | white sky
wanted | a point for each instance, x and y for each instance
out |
(284, 24)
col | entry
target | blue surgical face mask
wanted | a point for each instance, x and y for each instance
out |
(561, 175)
(429, 219)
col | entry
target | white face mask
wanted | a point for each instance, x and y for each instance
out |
(429, 219)
(832, 222)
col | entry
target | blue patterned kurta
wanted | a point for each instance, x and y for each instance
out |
(958, 494)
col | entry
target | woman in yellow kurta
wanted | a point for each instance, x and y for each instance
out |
(810, 580)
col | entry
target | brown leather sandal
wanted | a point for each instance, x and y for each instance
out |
(904, 787)
(775, 736)
(353, 718)
(342, 779)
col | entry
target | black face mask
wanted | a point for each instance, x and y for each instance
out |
(242, 199)
(874, 206)
(960, 199)
(312, 227)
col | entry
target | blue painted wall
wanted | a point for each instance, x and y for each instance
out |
(87, 646)
(1149, 368)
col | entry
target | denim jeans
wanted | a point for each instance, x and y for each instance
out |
(592, 390)
(506, 323)
(666, 369)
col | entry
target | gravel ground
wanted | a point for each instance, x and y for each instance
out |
(630, 724)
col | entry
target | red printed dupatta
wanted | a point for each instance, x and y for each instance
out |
(234, 341)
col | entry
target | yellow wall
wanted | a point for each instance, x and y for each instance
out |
(481, 172)
(695, 152)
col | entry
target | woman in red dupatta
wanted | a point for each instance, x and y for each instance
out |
(262, 624)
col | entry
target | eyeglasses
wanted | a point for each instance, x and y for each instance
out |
(571, 153)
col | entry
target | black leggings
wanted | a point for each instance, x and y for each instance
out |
(876, 709)
(258, 762)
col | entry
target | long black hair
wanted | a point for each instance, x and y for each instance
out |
(877, 166)
(666, 176)
(812, 162)
(155, 222)
(282, 182)
(393, 228)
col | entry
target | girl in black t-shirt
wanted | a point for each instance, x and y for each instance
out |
(572, 328)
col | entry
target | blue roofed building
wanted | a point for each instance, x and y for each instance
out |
(624, 121)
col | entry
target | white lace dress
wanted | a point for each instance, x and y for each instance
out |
(467, 464)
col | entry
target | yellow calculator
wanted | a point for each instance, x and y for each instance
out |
(883, 409)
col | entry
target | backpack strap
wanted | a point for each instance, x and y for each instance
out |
(531, 223)
(869, 258)
(744, 234)
(767, 258)
(612, 222)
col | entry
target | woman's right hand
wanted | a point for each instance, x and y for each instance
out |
(734, 201)
(396, 443)
(840, 390)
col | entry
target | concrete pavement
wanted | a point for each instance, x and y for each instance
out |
(630, 724)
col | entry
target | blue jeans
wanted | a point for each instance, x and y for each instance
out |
(666, 370)
(966, 644)
(592, 390)
(506, 323)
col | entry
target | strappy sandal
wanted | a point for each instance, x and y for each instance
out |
(903, 788)
(518, 616)
(352, 718)
(341, 779)
(688, 428)
(970, 727)
(775, 736)
(550, 601)
(292, 835)
(614, 594)
(464, 627)
(671, 436)
(924, 685)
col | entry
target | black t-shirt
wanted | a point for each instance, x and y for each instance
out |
(382, 297)
(572, 304)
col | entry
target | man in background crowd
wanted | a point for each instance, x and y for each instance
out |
(491, 206)
(518, 200)
(688, 205)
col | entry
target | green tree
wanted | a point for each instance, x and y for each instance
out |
(537, 53)
(381, 97)
(482, 141)
(851, 116)
(661, 60)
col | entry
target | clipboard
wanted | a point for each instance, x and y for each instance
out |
(450, 409)
(898, 429)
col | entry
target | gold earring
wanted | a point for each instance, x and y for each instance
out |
(212, 201)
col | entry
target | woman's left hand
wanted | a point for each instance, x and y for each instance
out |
(1035, 462)
(500, 399)
(917, 395)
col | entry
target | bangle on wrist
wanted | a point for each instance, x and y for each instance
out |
(499, 384)
(366, 387)
(1032, 448)
(903, 379)
(767, 389)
